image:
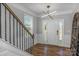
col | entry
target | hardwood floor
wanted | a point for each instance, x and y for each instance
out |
(50, 50)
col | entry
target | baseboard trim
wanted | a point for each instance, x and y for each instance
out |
(53, 45)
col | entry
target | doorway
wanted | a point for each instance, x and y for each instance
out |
(75, 35)
(53, 31)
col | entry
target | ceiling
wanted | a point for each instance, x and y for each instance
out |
(38, 8)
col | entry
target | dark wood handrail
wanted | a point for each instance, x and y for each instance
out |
(17, 18)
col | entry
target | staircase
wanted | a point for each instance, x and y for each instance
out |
(8, 50)
(13, 31)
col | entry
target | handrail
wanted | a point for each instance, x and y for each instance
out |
(14, 31)
(17, 18)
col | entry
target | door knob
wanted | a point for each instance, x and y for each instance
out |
(57, 32)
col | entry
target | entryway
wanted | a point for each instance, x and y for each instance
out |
(53, 31)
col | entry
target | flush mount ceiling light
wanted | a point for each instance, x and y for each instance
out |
(47, 13)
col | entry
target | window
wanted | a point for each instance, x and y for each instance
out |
(60, 31)
(28, 22)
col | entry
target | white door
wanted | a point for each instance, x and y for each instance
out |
(52, 33)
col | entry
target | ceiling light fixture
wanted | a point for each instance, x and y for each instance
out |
(48, 13)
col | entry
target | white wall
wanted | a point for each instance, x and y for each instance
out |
(39, 35)
(67, 30)
(68, 18)
(38, 26)
(17, 11)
